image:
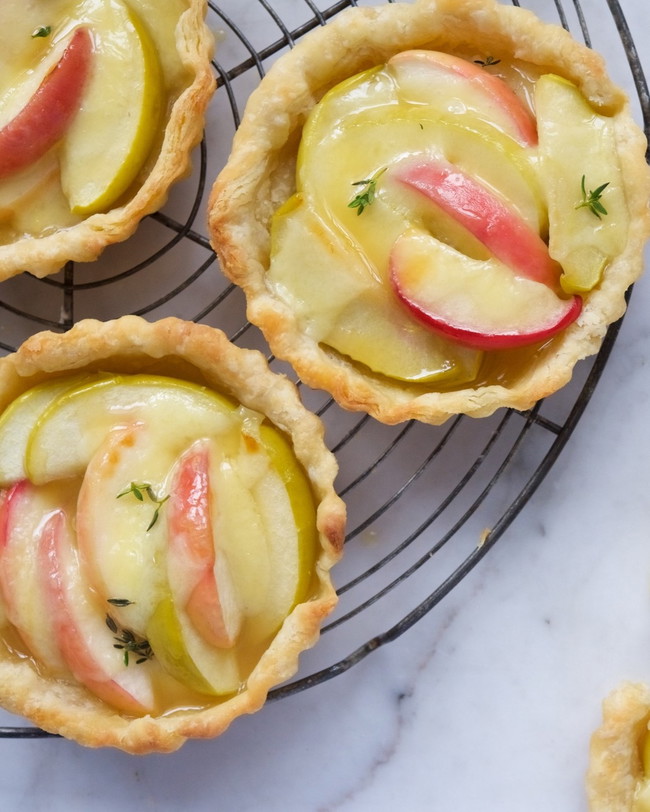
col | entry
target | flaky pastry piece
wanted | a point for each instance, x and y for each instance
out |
(193, 356)
(260, 177)
(42, 234)
(616, 775)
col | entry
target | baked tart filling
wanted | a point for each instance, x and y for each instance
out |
(444, 220)
(101, 102)
(166, 532)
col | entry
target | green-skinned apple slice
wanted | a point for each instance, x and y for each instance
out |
(452, 84)
(185, 656)
(286, 506)
(19, 419)
(344, 130)
(301, 499)
(576, 142)
(111, 137)
(381, 140)
(48, 114)
(480, 303)
(89, 411)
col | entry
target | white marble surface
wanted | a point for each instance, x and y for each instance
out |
(488, 702)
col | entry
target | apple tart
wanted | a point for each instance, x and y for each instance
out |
(618, 779)
(168, 523)
(101, 103)
(434, 208)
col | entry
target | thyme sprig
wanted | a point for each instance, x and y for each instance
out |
(367, 195)
(591, 200)
(140, 490)
(128, 641)
(489, 60)
(42, 31)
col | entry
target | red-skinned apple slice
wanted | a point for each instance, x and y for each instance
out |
(127, 555)
(431, 76)
(198, 574)
(86, 643)
(22, 507)
(47, 114)
(480, 303)
(503, 232)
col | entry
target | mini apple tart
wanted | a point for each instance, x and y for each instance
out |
(618, 779)
(167, 527)
(101, 103)
(434, 208)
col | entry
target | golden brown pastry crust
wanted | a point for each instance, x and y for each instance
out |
(85, 241)
(201, 354)
(260, 176)
(615, 767)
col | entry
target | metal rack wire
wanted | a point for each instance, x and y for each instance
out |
(425, 503)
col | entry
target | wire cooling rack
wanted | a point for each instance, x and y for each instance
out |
(425, 504)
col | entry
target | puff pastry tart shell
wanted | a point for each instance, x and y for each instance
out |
(72, 702)
(41, 233)
(260, 177)
(616, 778)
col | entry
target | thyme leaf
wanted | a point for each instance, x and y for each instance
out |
(119, 601)
(489, 60)
(42, 31)
(591, 200)
(366, 196)
(140, 490)
(129, 642)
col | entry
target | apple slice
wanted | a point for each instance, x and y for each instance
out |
(199, 575)
(123, 551)
(120, 550)
(86, 642)
(49, 112)
(479, 303)
(242, 539)
(286, 504)
(88, 412)
(362, 126)
(265, 528)
(342, 304)
(503, 232)
(576, 142)
(19, 419)
(22, 510)
(451, 84)
(25, 187)
(239, 532)
(113, 133)
(186, 657)
(366, 144)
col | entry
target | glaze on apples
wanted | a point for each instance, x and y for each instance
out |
(480, 303)
(49, 112)
(454, 151)
(154, 562)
